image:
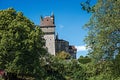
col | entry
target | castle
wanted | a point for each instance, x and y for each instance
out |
(53, 43)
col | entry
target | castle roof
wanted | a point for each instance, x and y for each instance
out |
(47, 21)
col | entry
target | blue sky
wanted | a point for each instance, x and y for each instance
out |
(69, 17)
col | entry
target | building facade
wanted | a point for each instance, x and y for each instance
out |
(63, 45)
(53, 43)
(48, 27)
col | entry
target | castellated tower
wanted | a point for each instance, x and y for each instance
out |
(48, 27)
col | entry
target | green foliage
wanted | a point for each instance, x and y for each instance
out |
(21, 44)
(53, 68)
(87, 7)
(116, 67)
(74, 71)
(84, 60)
(103, 40)
(104, 30)
(63, 55)
(62, 69)
(1, 78)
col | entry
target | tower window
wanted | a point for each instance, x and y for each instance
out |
(47, 19)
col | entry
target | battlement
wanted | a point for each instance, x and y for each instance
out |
(47, 21)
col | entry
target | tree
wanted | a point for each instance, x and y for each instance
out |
(103, 37)
(63, 55)
(116, 66)
(21, 44)
(84, 60)
(74, 70)
(53, 68)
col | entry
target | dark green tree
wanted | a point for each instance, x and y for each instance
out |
(53, 68)
(74, 71)
(21, 44)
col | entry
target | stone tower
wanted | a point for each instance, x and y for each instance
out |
(48, 27)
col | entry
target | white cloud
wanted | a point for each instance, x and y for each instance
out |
(61, 26)
(81, 48)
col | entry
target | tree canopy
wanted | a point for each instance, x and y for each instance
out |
(21, 43)
(104, 30)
